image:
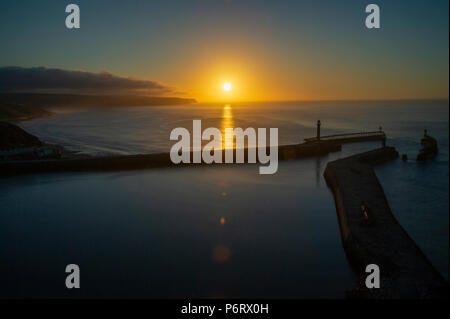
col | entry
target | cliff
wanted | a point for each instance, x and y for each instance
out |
(13, 137)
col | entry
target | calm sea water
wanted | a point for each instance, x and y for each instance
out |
(222, 231)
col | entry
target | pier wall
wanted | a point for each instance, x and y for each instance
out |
(405, 270)
(145, 161)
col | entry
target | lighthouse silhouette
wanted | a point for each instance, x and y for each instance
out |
(318, 130)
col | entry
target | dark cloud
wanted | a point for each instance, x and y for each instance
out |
(18, 79)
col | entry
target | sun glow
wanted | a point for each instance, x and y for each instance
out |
(227, 87)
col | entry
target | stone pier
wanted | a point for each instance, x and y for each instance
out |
(371, 234)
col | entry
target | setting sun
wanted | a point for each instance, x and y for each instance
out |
(227, 87)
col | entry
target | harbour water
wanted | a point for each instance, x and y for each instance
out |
(222, 231)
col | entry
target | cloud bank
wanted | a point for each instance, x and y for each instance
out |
(51, 80)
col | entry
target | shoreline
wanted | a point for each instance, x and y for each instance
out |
(16, 107)
(16, 120)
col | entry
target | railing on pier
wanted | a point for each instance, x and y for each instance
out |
(349, 136)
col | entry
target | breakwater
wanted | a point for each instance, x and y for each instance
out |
(146, 161)
(371, 234)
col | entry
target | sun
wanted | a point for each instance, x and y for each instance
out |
(227, 87)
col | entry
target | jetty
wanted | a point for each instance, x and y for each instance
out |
(348, 137)
(145, 161)
(371, 234)
(311, 147)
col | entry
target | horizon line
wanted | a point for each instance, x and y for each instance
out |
(200, 101)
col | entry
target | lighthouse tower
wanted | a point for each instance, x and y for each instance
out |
(318, 130)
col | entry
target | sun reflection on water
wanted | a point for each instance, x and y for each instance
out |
(227, 122)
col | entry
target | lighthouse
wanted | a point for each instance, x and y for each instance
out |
(318, 130)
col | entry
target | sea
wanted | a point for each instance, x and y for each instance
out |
(221, 231)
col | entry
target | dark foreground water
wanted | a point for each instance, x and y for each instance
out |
(222, 231)
(159, 233)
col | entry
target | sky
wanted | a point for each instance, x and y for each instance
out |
(267, 50)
